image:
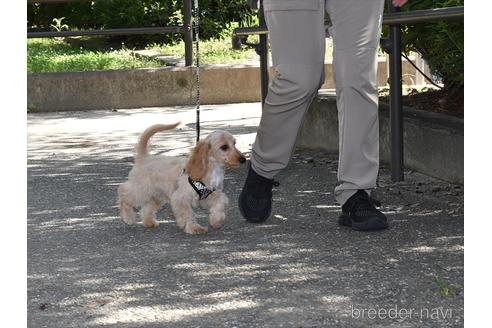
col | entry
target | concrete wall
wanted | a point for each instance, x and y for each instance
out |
(108, 89)
(433, 143)
(166, 86)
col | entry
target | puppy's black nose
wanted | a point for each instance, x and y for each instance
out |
(242, 159)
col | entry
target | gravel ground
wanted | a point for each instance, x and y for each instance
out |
(87, 268)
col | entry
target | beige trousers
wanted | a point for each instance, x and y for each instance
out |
(297, 41)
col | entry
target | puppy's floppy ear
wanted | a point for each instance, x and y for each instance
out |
(198, 163)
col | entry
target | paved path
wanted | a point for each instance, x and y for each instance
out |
(86, 268)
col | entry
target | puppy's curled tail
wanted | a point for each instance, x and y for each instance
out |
(141, 148)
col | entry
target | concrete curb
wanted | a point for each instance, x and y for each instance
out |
(433, 143)
(155, 87)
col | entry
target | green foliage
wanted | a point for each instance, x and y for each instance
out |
(58, 24)
(440, 43)
(31, 109)
(51, 55)
(211, 52)
(216, 16)
(445, 289)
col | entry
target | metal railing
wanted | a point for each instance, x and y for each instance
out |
(185, 29)
(394, 18)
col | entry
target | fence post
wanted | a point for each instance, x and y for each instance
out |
(188, 33)
(396, 106)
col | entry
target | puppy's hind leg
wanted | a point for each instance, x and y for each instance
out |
(124, 204)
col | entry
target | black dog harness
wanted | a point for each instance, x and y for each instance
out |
(201, 189)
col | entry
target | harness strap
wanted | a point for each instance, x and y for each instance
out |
(201, 189)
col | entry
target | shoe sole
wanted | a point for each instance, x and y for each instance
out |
(371, 224)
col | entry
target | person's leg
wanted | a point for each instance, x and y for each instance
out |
(297, 41)
(356, 30)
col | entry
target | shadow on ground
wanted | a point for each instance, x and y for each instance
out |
(86, 268)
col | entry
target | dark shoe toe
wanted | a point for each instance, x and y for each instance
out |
(360, 214)
(367, 224)
(255, 200)
(370, 224)
(254, 210)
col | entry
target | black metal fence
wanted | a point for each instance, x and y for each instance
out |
(393, 44)
(185, 29)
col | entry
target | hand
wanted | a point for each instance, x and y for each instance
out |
(399, 3)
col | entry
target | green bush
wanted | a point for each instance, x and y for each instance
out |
(440, 43)
(216, 16)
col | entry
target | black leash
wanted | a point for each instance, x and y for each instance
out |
(197, 65)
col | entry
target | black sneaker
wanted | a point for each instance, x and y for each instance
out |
(255, 200)
(359, 213)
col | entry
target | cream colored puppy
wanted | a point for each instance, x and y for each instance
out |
(185, 183)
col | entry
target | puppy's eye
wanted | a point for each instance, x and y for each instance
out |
(224, 147)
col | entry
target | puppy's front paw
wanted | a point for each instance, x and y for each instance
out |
(127, 215)
(217, 220)
(151, 224)
(195, 229)
(129, 220)
(217, 224)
